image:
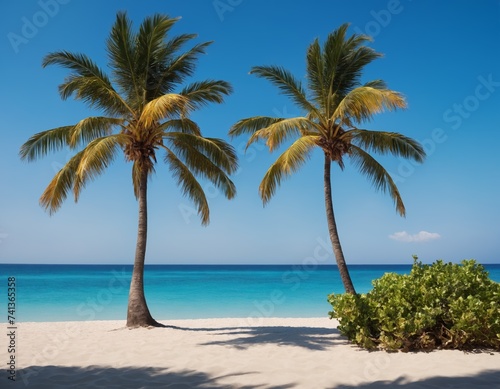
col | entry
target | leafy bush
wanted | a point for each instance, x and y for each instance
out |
(442, 305)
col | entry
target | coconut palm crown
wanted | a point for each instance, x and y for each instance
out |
(144, 114)
(335, 103)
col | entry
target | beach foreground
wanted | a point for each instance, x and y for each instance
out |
(230, 353)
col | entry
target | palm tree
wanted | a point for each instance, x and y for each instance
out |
(142, 115)
(334, 104)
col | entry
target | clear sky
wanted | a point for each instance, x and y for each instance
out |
(443, 56)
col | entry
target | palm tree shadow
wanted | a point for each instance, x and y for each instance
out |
(92, 377)
(312, 338)
(488, 379)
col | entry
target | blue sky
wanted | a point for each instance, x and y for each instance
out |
(443, 56)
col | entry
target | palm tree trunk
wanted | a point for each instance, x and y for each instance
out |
(332, 229)
(138, 313)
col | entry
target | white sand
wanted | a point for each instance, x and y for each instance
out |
(229, 353)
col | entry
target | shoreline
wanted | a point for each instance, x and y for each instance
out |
(231, 353)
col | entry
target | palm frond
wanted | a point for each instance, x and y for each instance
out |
(163, 107)
(79, 63)
(281, 131)
(87, 82)
(202, 93)
(287, 83)
(217, 151)
(334, 49)
(315, 75)
(183, 124)
(151, 51)
(362, 103)
(173, 45)
(345, 59)
(161, 78)
(175, 69)
(377, 84)
(57, 190)
(93, 127)
(95, 158)
(379, 177)
(185, 64)
(201, 165)
(121, 46)
(287, 163)
(388, 142)
(251, 125)
(151, 38)
(45, 142)
(189, 185)
(222, 153)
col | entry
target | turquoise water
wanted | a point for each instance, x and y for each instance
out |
(100, 292)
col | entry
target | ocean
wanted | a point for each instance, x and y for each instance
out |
(251, 292)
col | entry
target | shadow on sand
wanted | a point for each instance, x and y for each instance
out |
(243, 337)
(97, 377)
(488, 379)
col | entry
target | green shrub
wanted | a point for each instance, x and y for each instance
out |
(442, 305)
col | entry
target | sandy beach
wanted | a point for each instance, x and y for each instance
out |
(230, 353)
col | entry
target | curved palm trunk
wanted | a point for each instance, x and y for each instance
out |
(138, 312)
(332, 229)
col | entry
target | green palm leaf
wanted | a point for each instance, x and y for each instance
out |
(95, 158)
(45, 142)
(217, 151)
(87, 83)
(122, 55)
(287, 83)
(175, 69)
(379, 177)
(202, 93)
(281, 131)
(79, 63)
(362, 103)
(189, 185)
(90, 128)
(57, 190)
(173, 45)
(161, 80)
(163, 107)
(377, 84)
(316, 74)
(388, 142)
(183, 124)
(151, 43)
(345, 58)
(287, 163)
(251, 125)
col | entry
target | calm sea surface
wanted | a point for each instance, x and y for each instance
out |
(100, 292)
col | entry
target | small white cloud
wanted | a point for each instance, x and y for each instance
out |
(422, 236)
